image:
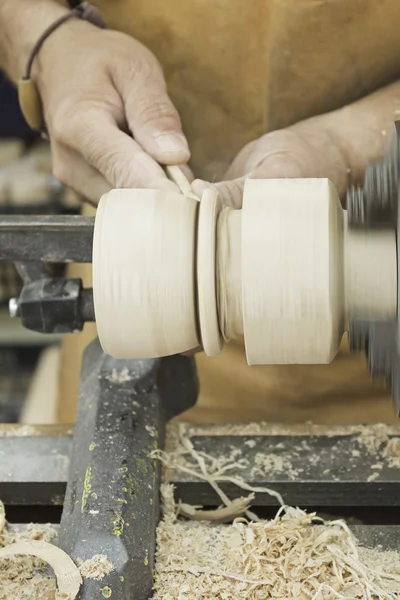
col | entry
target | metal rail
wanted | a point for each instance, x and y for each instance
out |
(53, 239)
(325, 470)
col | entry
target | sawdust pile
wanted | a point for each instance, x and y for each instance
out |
(294, 556)
(25, 578)
(96, 567)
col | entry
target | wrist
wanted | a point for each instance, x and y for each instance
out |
(22, 23)
(61, 43)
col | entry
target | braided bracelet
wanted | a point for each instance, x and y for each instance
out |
(28, 93)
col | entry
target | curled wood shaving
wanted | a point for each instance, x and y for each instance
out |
(225, 514)
(68, 577)
(172, 461)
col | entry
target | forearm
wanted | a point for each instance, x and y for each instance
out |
(21, 24)
(359, 131)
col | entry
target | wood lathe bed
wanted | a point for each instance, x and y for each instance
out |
(107, 485)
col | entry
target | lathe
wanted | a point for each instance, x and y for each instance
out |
(289, 285)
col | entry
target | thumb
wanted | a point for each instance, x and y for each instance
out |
(152, 118)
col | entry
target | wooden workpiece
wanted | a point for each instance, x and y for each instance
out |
(284, 272)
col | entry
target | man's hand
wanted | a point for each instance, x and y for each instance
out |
(283, 154)
(337, 145)
(106, 108)
(97, 88)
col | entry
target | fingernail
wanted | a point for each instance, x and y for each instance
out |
(172, 143)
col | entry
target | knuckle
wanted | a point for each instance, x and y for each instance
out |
(91, 145)
(140, 69)
(283, 164)
(278, 154)
(96, 156)
(117, 169)
(145, 66)
(152, 109)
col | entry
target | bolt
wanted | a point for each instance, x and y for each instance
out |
(13, 308)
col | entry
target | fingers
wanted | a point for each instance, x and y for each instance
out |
(267, 158)
(151, 116)
(113, 153)
(70, 169)
(276, 166)
(231, 191)
(121, 86)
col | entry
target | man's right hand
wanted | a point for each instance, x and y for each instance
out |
(338, 145)
(107, 111)
(286, 153)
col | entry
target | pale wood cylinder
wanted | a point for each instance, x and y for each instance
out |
(285, 272)
(304, 271)
(143, 273)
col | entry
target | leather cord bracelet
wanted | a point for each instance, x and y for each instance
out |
(28, 93)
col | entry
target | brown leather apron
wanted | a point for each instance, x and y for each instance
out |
(236, 70)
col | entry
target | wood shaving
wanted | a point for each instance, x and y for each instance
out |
(23, 565)
(205, 468)
(96, 568)
(176, 175)
(236, 508)
(294, 556)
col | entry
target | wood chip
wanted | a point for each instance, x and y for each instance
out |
(96, 567)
